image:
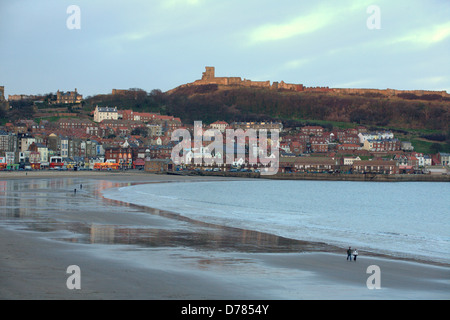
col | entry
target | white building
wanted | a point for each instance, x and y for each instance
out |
(105, 113)
(427, 161)
(64, 147)
(348, 161)
(26, 143)
(382, 135)
(219, 125)
(43, 152)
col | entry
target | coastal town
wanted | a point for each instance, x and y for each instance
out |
(122, 139)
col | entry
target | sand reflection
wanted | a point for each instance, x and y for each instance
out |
(74, 210)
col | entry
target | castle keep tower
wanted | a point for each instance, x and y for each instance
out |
(209, 74)
(2, 93)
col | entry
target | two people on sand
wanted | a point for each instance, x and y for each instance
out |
(350, 253)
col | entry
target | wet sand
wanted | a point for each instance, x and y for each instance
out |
(129, 252)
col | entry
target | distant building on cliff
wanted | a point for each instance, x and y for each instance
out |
(209, 77)
(69, 97)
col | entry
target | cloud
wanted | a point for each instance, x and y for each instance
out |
(171, 4)
(433, 81)
(295, 64)
(426, 36)
(318, 18)
(298, 26)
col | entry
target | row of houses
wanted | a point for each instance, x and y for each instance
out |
(39, 148)
(313, 140)
(330, 165)
(112, 113)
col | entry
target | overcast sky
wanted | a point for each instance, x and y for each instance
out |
(163, 44)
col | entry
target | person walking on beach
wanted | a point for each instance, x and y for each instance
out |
(355, 254)
(349, 253)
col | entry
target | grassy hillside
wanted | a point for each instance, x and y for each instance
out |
(329, 107)
(422, 120)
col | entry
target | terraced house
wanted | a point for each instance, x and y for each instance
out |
(376, 166)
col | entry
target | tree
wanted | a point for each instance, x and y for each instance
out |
(140, 131)
(436, 148)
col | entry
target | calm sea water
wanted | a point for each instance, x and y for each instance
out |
(401, 219)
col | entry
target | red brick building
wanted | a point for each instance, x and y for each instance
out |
(312, 130)
(123, 156)
(376, 166)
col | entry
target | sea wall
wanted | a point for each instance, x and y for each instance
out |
(331, 176)
(360, 177)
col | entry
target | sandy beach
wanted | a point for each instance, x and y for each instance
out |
(129, 252)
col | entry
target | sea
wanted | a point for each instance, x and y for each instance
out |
(400, 219)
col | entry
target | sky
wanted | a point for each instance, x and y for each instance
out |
(45, 46)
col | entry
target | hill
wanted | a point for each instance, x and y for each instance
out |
(424, 119)
(212, 102)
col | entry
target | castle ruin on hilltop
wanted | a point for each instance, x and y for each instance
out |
(209, 77)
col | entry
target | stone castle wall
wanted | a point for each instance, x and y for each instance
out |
(390, 92)
(209, 77)
(119, 92)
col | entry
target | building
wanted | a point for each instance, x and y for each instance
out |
(69, 97)
(312, 130)
(382, 135)
(20, 97)
(376, 166)
(348, 147)
(2, 93)
(155, 130)
(64, 147)
(122, 155)
(319, 146)
(219, 125)
(26, 142)
(444, 158)
(209, 78)
(105, 113)
(137, 116)
(349, 161)
(382, 145)
(129, 124)
(158, 165)
(73, 123)
(43, 153)
(8, 141)
(407, 146)
(258, 125)
(307, 164)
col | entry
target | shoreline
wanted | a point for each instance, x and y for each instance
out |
(332, 176)
(278, 176)
(145, 178)
(186, 260)
(34, 268)
(266, 239)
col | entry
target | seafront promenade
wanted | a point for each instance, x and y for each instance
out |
(327, 176)
(225, 174)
